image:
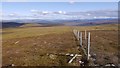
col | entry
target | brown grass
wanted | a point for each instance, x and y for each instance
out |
(34, 46)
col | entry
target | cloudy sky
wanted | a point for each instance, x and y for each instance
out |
(58, 10)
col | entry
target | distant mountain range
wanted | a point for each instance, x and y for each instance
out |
(87, 22)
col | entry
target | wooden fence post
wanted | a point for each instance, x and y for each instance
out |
(78, 35)
(85, 35)
(75, 33)
(81, 38)
(88, 55)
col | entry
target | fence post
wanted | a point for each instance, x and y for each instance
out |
(75, 33)
(85, 35)
(88, 55)
(78, 36)
(81, 38)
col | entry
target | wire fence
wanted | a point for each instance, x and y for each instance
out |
(84, 45)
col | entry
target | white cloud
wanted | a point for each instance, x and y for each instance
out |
(94, 17)
(64, 12)
(102, 17)
(33, 10)
(37, 14)
(45, 12)
(13, 14)
(88, 14)
(1, 13)
(71, 1)
(61, 12)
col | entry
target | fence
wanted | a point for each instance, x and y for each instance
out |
(86, 46)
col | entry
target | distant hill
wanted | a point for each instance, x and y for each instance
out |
(41, 24)
(15, 24)
(49, 23)
(11, 24)
(98, 22)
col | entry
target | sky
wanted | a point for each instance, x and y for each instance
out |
(59, 0)
(64, 10)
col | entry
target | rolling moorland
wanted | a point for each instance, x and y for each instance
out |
(44, 44)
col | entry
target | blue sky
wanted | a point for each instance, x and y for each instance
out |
(25, 9)
(59, 0)
(57, 6)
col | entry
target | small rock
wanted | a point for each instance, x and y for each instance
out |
(71, 54)
(81, 62)
(35, 48)
(47, 54)
(67, 54)
(52, 56)
(16, 52)
(27, 52)
(34, 43)
(10, 57)
(45, 42)
(12, 65)
(16, 42)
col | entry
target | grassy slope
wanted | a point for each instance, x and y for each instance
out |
(9, 33)
(35, 42)
(31, 31)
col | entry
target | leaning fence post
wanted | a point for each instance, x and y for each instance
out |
(81, 38)
(78, 35)
(88, 55)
